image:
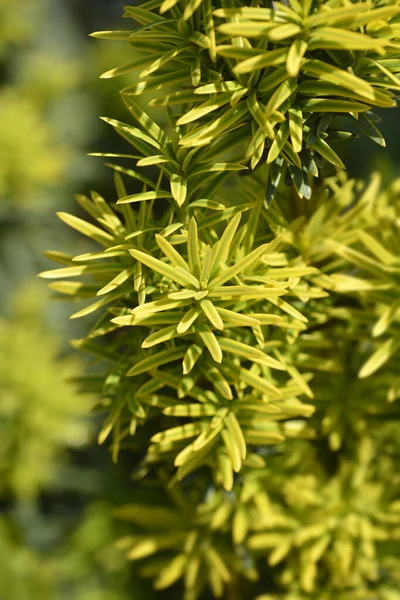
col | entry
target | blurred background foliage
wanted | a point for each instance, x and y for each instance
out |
(57, 487)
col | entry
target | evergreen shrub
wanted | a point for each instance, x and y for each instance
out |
(247, 299)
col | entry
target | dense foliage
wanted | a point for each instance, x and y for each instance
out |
(56, 527)
(247, 300)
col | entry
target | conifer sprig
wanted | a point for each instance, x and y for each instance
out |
(247, 297)
(270, 77)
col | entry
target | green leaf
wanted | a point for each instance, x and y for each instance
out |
(254, 381)
(146, 122)
(173, 256)
(326, 151)
(74, 288)
(182, 294)
(204, 109)
(119, 35)
(379, 357)
(178, 275)
(170, 229)
(248, 352)
(357, 258)
(205, 203)
(237, 319)
(288, 308)
(284, 91)
(301, 382)
(248, 29)
(172, 571)
(144, 196)
(182, 432)
(193, 248)
(336, 15)
(206, 266)
(96, 305)
(187, 321)
(237, 52)
(234, 429)
(324, 88)
(273, 79)
(143, 16)
(232, 450)
(348, 283)
(110, 421)
(225, 470)
(92, 269)
(284, 31)
(265, 319)
(261, 407)
(259, 116)
(246, 12)
(156, 360)
(211, 313)
(178, 188)
(284, 272)
(295, 57)
(163, 59)
(201, 136)
(206, 438)
(376, 248)
(211, 343)
(217, 167)
(96, 234)
(219, 382)
(191, 357)
(60, 257)
(340, 39)
(131, 172)
(261, 438)
(296, 127)
(395, 79)
(219, 87)
(163, 335)
(133, 132)
(386, 319)
(279, 142)
(209, 27)
(149, 320)
(200, 40)
(181, 97)
(191, 410)
(370, 130)
(343, 79)
(194, 461)
(130, 66)
(149, 388)
(224, 244)
(116, 282)
(216, 564)
(167, 5)
(195, 71)
(190, 7)
(234, 291)
(157, 83)
(240, 266)
(272, 58)
(328, 105)
(157, 306)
